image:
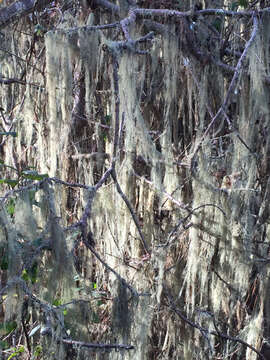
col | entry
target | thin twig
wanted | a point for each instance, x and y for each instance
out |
(16, 281)
(232, 86)
(18, 81)
(97, 346)
(119, 277)
(132, 212)
(205, 331)
(224, 113)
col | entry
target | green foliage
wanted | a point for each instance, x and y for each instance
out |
(26, 174)
(31, 275)
(37, 351)
(4, 345)
(58, 302)
(243, 3)
(7, 327)
(12, 183)
(33, 175)
(16, 352)
(10, 206)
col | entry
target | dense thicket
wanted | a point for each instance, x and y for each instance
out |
(134, 180)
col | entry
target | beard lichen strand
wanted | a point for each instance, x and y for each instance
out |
(60, 91)
(169, 138)
(236, 241)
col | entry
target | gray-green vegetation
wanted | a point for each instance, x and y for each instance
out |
(134, 158)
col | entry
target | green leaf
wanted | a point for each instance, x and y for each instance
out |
(108, 119)
(10, 182)
(7, 327)
(25, 275)
(95, 318)
(16, 352)
(8, 166)
(243, 3)
(10, 206)
(57, 302)
(38, 350)
(33, 175)
(30, 275)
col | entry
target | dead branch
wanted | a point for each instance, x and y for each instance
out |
(132, 212)
(16, 281)
(205, 331)
(97, 346)
(119, 277)
(232, 86)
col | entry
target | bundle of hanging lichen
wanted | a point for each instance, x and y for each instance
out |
(37, 259)
(222, 264)
(165, 99)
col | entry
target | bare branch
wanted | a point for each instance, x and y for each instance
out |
(97, 346)
(18, 81)
(206, 12)
(232, 86)
(205, 331)
(16, 281)
(119, 277)
(132, 212)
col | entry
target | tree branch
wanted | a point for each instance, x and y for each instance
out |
(97, 346)
(205, 331)
(232, 86)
